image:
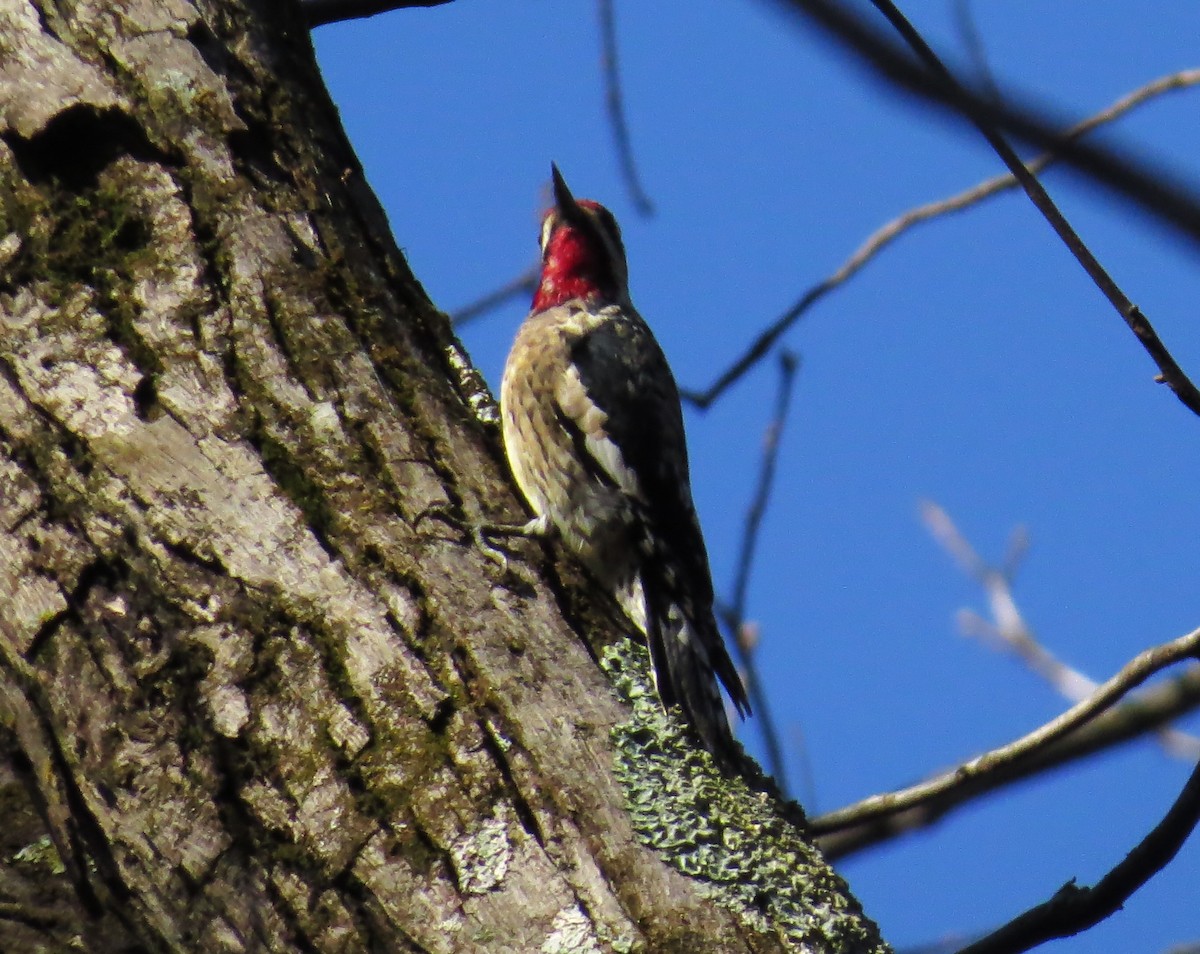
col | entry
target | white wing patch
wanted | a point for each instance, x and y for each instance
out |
(573, 398)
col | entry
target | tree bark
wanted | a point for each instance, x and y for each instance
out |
(257, 692)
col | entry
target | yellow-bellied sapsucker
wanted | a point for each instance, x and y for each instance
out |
(593, 433)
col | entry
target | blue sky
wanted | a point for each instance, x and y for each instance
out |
(973, 363)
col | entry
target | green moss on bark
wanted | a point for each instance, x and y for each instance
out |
(716, 829)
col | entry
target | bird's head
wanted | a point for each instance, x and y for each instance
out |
(582, 253)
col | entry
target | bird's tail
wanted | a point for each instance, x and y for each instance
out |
(689, 661)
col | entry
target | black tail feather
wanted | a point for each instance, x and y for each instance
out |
(682, 651)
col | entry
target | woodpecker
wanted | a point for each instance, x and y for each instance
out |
(593, 433)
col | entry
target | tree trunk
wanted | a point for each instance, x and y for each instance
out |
(257, 692)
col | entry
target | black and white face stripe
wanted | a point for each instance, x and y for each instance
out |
(593, 219)
(549, 224)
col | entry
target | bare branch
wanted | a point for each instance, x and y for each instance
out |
(1074, 909)
(1133, 674)
(1008, 631)
(1170, 372)
(320, 12)
(1150, 711)
(884, 236)
(1152, 189)
(615, 100)
(734, 614)
(524, 284)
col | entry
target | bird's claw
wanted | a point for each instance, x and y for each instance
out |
(481, 534)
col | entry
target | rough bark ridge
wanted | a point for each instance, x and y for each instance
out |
(254, 699)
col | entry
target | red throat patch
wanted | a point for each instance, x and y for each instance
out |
(575, 265)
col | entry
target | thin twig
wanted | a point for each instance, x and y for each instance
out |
(808, 786)
(1152, 189)
(614, 98)
(320, 12)
(1074, 909)
(882, 237)
(1132, 675)
(1008, 630)
(524, 284)
(968, 30)
(986, 117)
(1151, 710)
(734, 613)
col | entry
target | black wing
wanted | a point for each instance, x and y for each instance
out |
(625, 374)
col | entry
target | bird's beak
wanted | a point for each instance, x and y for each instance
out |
(567, 206)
